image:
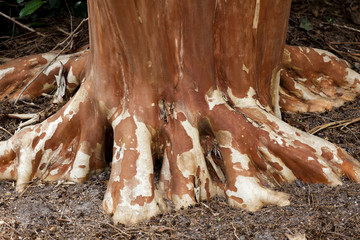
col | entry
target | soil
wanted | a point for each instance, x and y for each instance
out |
(60, 210)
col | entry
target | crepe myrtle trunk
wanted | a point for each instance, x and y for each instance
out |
(190, 86)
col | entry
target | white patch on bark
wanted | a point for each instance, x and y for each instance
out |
(108, 201)
(213, 98)
(275, 89)
(81, 159)
(189, 161)
(290, 134)
(165, 171)
(245, 102)
(133, 214)
(54, 172)
(351, 76)
(27, 153)
(73, 108)
(301, 79)
(256, 15)
(61, 86)
(122, 116)
(326, 55)
(254, 195)
(144, 164)
(127, 212)
(62, 59)
(236, 157)
(71, 78)
(305, 93)
(329, 172)
(186, 163)
(144, 167)
(6, 71)
(4, 147)
(111, 112)
(47, 86)
(48, 157)
(245, 69)
(286, 173)
(48, 56)
(326, 59)
(182, 201)
(119, 150)
(180, 56)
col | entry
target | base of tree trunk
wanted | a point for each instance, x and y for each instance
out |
(311, 80)
(192, 87)
(232, 151)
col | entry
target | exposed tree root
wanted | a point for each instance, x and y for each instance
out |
(314, 80)
(189, 108)
(58, 148)
(233, 148)
(16, 74)
(252, 148)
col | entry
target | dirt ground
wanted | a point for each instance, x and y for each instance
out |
(74, 211)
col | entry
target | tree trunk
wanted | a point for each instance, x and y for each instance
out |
(191, 86)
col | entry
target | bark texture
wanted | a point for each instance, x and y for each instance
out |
(16, 74)
(314, 80)
(311, 80)
(191, 86)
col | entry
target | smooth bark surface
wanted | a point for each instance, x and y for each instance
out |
(191, 86)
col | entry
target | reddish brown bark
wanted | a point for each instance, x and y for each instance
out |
(192, 85)
(16, 74)
(314, 80)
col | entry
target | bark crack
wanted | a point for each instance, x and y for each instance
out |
(166, 110)
(138, 13)
(232, 106)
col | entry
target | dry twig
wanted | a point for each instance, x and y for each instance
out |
(341, 43)
(3, 129)
(346, 27)
(341, 123)
(52, 60)
(71, 34)
(20, 24)
(235, 231)
(42, 70)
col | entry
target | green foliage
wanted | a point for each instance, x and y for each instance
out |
(35, 13)
(30, 7)
(47, 8)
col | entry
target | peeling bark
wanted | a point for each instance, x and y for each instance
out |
(314, 80)
(60, 148)
(16, 74)
(190, 85)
